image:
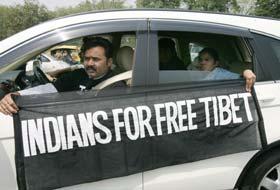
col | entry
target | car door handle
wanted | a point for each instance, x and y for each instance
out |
(266, 98)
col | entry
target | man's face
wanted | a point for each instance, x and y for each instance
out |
(95, 62)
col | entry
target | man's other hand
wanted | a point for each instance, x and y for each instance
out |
(250, 78)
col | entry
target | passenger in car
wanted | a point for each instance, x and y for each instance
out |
(168, 58)
(66, 57)
(58, 55)
(96, 55)
(209, 61)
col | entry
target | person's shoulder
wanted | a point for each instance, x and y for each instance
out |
(219, 69)
(220, 72)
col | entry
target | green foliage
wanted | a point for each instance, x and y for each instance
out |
(217, 6)
(269, 8)
(3, 21)
(87, 5)
(82, 7)
(17, 18)
(158, 3)
(109, 4)
(247, 7)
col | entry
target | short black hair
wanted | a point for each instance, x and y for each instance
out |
(89, 43)
(167, 43)
(212, 52)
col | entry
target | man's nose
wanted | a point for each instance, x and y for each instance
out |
(90, 62)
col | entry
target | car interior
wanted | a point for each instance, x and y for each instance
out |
(234, 54)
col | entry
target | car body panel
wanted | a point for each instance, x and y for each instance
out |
(192, 175)
(7, 172)
(269, 102)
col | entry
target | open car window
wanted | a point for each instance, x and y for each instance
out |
(183, 62)
(63, 58)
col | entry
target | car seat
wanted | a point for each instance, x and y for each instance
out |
(124, 60)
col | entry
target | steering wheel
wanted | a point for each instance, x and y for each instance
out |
(40, 75)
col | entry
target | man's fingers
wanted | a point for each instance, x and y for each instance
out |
(7, 105)
(11, 103)
(248, 85)
(4, 110)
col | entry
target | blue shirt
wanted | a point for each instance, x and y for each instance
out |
(221, 74)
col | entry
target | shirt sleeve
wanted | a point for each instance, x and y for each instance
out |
(65, 82)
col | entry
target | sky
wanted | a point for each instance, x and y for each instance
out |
(52, 4)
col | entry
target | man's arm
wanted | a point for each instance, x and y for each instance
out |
(7, 104)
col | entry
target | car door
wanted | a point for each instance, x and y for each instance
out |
(217, 171)
(267, 87)
(24, 52)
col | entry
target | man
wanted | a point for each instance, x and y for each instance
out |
(96, 55)
(168, 59)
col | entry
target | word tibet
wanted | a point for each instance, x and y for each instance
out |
(52, 134)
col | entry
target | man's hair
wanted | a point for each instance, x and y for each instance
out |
(168, 44)
(211, 51)
(89, 43)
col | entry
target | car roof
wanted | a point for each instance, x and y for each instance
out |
(263, 25)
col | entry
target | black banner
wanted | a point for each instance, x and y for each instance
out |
(70, 138)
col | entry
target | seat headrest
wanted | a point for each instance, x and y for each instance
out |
(125, 58)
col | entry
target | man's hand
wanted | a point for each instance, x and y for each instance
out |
(7, 104)
(250, 78)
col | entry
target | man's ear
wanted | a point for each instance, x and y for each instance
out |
(110, 62)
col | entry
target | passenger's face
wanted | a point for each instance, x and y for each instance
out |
(95, 62)
(58, 54)
(207, 62)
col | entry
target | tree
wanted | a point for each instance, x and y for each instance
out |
(3, 21)
(158, 3)
(218, 6)
(87, 5)
(109, 4)
(247, 7)
(81, 7)
(269, 8)
(20, 17)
